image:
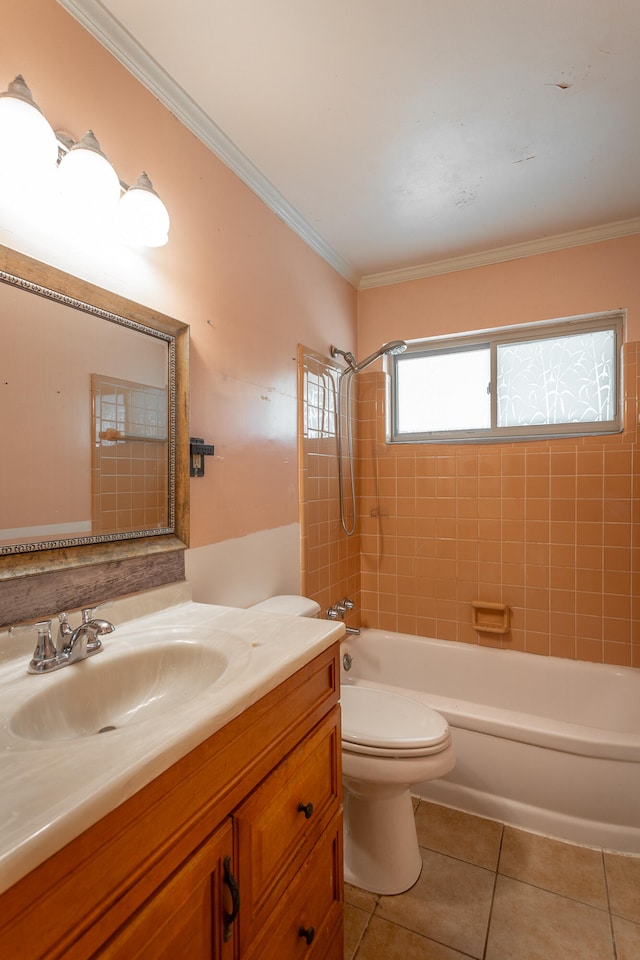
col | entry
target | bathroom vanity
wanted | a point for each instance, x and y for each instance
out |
(234, 850)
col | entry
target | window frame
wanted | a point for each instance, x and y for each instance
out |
(541, 330)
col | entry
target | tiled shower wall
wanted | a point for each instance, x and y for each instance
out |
(129, 456)
(330, 559)
(550, 528)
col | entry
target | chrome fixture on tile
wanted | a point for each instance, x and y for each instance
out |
(347, 660)
(338, 610)
(71, 645)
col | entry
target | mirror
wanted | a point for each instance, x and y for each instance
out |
(93, 422)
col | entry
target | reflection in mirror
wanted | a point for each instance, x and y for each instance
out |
(129, 455)
(87, 416)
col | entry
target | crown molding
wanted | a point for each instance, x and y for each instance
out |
(516, 251)
(110, 33)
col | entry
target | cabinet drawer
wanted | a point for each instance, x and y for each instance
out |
(307, 923)
(282, 819)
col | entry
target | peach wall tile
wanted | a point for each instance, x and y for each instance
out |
(537, 642)
(616, 630)
(589, 462)
(617, 654)
(562, 646)
(536, 552)
(617, 511)
(563, 577)
(467, 529)
(513, 464)
(589, 649)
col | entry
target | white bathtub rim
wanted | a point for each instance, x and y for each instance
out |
(505, 666)
(572, 738)
(479, 652)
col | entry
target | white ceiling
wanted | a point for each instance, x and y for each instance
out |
(392, 134)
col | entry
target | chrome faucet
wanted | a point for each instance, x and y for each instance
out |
(85, 640)
(71, 645)
(339, 610)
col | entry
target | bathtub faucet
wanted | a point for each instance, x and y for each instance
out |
(339, 610)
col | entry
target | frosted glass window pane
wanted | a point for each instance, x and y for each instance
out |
(557, 380)
(444, 391)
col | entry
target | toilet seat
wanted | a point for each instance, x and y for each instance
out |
(382, 723)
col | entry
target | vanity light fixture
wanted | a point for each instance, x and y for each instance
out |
(29, 148)
(87, 184)
(143, 219)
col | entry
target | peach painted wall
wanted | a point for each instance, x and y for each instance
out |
(580, 280)
(249, 287)
(551, 528)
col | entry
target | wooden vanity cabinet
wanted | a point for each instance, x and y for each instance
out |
(258, 804)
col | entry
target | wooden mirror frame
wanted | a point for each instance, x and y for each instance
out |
(32, 562)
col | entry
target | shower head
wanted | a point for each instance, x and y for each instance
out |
(392, 349)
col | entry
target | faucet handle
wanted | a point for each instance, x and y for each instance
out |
(64, 628)
(44, 655)
(89, 613)
(347, 604)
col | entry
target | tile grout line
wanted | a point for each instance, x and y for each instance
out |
(493, 894)
(355, 953)
(606, 887)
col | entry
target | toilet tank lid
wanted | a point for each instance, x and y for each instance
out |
(291, 604)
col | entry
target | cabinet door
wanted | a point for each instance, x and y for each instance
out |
(186, 916)
(282, 819)
(307, 923)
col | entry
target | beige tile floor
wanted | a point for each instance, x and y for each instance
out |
(493, 892)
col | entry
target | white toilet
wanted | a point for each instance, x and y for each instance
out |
(389, 743)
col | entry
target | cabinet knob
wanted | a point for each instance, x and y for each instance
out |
(307, 935)
(306, 808)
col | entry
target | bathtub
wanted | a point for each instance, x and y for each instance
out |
(545, 744)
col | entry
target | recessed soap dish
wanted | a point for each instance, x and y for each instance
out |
(491, 617)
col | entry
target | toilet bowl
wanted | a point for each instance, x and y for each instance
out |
(389, 743)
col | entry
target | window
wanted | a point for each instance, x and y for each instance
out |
(513, 383)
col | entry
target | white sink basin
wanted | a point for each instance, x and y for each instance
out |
(105, 693)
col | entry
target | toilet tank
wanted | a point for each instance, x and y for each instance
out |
(291, 604)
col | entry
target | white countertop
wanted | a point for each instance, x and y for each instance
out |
(53, 790)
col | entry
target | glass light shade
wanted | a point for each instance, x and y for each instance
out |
(29, 152)
(89, 185)
(143, 220)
